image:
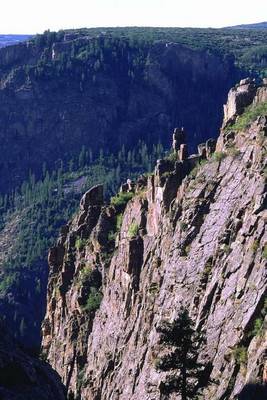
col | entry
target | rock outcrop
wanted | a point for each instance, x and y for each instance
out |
(193, 234)
(239, 98)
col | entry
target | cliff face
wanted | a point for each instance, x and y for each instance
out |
(192, 235)
(57, 97)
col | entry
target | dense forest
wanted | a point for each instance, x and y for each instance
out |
(115, 86)
(248, 47)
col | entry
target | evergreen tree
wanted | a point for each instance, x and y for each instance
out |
(71, 165)
(183, 343)
(22, 327)
(82, 158)
(90, 156)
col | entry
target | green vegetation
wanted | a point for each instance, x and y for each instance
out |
(264, 253)
(85, 274)
(258, 326)
(226, 248)
(172, 156)
(233, 151)
(40, 207)
(133, 230)
(247, 46)
(118, 222)
(255, 57)
(121, 199)
(166, 175)
(194, 172)
(249, 115)
(258, 329)
(187, 249)
(182, 342)
(203, 162)
(183, 226)
(111, 236)
(153, 288)
(94, 300)
(80, 243)
(10, 279)
(206, 271)
(80, 378)
(218, 156)
(240, 355)
(255, 245)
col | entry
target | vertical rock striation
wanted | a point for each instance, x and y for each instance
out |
(193, 234)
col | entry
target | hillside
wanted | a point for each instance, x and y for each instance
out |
(104, 88)
(101, 92)
(191, 235)
(259, 25)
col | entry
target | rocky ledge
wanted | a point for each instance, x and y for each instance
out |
(191, 235)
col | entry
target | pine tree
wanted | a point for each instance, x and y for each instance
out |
(183, 343)
(22, 328)
(82, 158)
(71, 165)
(90, 156)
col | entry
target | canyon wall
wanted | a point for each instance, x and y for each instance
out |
(57, 97)
(193, 234)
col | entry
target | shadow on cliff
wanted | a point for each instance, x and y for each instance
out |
(253, 392)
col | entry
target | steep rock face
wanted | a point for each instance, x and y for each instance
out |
(239, 98)
(188, 239)
(25, 377)
(50, 108)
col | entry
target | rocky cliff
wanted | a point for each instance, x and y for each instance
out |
(193, 235)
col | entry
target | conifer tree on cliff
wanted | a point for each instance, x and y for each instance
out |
(187, 375)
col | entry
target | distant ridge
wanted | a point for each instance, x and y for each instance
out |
(259, 25)
(7, 40)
